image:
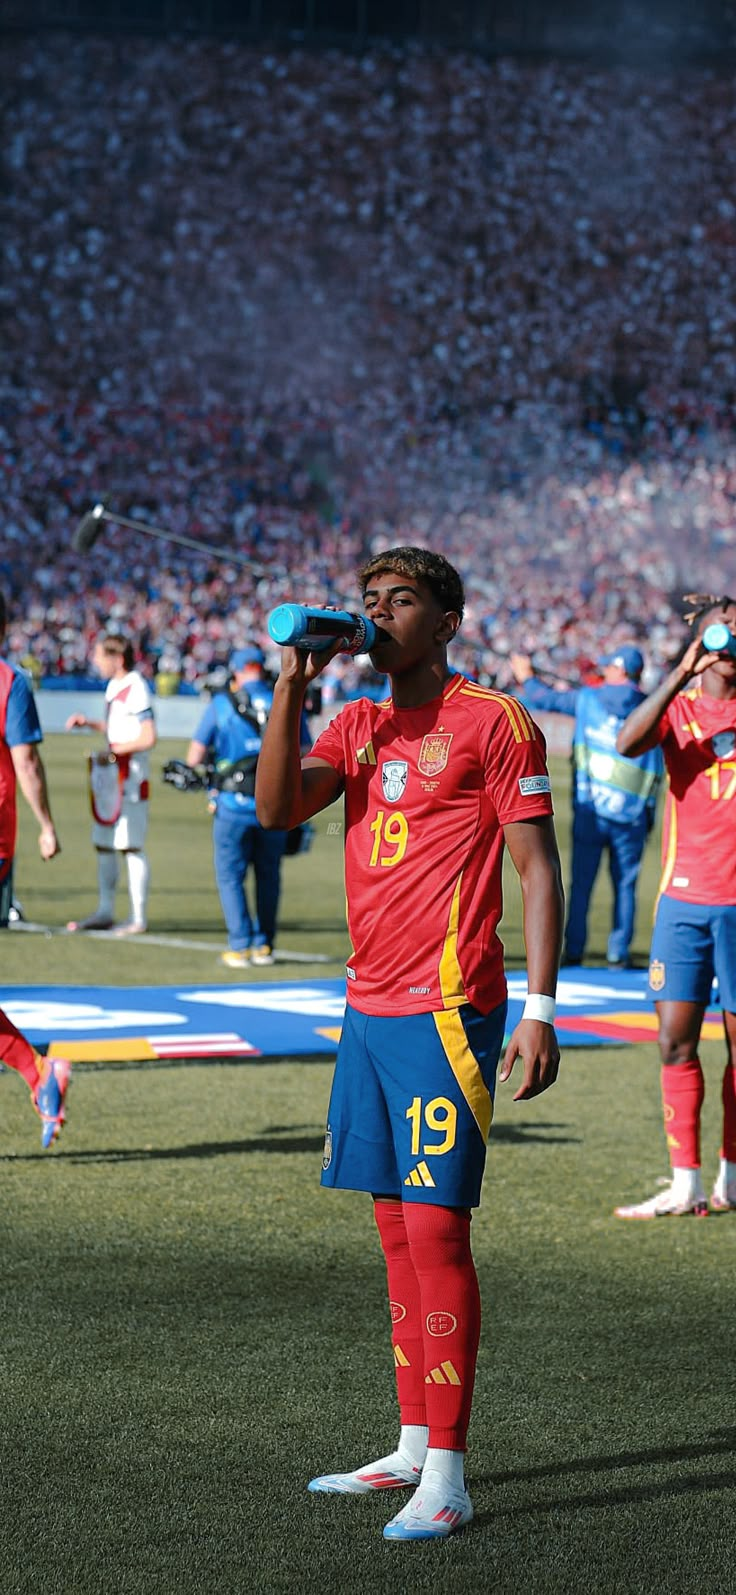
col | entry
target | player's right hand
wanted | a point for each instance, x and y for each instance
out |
(695, 659)
(48, 843)
(74, 721)
(303, 665)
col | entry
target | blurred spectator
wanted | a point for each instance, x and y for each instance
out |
(613, 798)
(318, 304)
(119, 785)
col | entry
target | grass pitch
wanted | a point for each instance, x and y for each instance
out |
(191, 1328)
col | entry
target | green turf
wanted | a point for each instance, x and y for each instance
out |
(184, 903)
(191, 1327)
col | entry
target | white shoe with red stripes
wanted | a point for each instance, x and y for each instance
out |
(389, 1473)
(431, 1514)
(669, 1203)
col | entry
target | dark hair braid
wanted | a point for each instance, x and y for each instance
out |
(704, 603)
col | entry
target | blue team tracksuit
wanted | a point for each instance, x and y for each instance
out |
(238, 839)
(614, 800)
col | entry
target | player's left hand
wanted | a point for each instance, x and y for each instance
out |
(536, 1044)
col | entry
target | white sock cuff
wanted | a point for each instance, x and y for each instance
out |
(138, 879)
(448, 1465)
(413, 1443)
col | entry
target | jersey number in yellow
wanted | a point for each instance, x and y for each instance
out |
(440, 1117)
(390, 836)
(720, 786)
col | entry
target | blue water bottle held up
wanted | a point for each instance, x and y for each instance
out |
(299, 626)
(719, 639)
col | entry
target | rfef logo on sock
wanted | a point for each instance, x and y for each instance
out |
(439, 1324)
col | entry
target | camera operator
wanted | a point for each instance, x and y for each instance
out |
(228, 741)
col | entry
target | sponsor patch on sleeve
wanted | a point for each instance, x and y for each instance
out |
(529, 784)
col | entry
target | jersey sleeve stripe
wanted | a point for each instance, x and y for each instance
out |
(456, 683)
(525, 718)
(521, 734)
(520, 721)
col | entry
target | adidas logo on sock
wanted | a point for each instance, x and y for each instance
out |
(446, 1374)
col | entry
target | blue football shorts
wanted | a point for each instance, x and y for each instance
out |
(412, 1103)
(691, 943)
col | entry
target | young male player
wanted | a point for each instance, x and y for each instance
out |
(693, 715)
(435, 781)
(119, 785)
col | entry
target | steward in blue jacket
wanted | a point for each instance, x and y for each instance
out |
(229, 735)
(614, 798)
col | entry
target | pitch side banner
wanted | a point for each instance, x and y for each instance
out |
(109, 1023)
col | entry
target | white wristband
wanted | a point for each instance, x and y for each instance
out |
(537, 1006)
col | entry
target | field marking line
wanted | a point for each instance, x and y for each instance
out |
(152, 939)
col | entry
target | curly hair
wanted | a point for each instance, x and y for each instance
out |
(705, 604)
(420, 564)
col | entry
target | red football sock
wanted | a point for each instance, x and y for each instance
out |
(18, 1053)
(683, 1090)
(406, 1312)
(439, 1243)
(728, 1149)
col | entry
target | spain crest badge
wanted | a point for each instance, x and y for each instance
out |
(434, 753)
(656, 974)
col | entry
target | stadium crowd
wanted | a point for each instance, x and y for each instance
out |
(308, 305)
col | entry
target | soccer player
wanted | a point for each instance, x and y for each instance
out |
(693, 715)
(21, 765)
(436, 780)
(119, 785)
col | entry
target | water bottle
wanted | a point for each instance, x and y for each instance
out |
(298, 626)
(719, 639)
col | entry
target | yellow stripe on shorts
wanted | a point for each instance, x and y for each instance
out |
(465, 1068)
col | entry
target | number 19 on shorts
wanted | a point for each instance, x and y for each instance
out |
(437, 1118)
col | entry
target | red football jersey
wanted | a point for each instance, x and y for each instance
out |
(698, 736)
(427, 792)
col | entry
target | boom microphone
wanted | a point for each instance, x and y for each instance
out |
(298, 626)
(88, 530)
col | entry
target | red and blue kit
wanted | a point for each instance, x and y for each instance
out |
(427, 793)
(698, 736)
(694, 935)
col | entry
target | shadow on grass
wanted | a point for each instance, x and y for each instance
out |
(522, 1134)
(723, 1443)
(152, 1154)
